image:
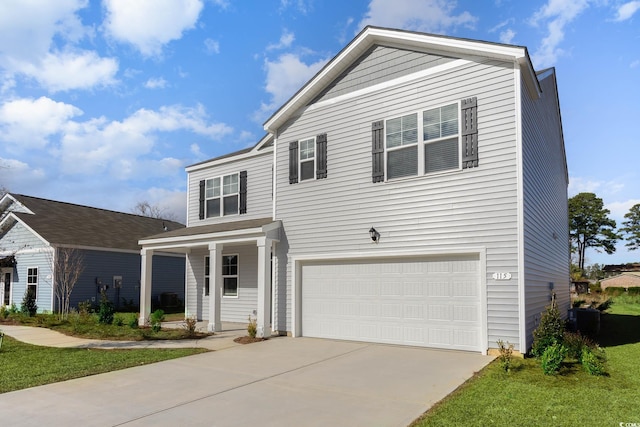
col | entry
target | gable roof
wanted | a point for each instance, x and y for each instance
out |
(371, 36)
(67, 224)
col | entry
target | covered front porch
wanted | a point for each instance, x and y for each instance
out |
(228, 271)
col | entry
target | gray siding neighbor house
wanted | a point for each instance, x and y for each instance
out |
(413, 192)
(33, 230)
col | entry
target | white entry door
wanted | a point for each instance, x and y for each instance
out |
(428, 302)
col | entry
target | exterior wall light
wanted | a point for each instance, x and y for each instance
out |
(375, 236)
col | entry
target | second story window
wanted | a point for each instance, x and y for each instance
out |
(221, 195)
(307, 159)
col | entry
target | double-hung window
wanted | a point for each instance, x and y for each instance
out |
(32, 281)
(222, 196)
(432, 140)
(307, 159)
(230, 275)
(207, 275)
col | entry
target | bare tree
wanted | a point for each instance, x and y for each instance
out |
(69, 264)
(145, 208)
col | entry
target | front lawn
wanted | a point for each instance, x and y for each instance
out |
(24, 365)
(527, 397)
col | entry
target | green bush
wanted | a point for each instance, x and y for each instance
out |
(595, 288)
(190, 324)
(156, 319)
(118, 320)
(252, 327)
(13, 309)
(552, 358)
(29, 306)
(549, 331)
(575, 343)
(578, 303)
(106, 311)
(635, 290)
(613, 291)
(4, 312)
(506, 355)
(132, 321)
(591, 363)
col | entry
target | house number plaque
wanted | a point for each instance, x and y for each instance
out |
(501, 276)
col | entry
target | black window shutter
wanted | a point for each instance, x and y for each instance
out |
(293, 162)
(201, 210)
(377, 151)
(321, 156)
(243, 192)
(469, 116)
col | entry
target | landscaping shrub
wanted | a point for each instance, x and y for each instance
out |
(13, 309)
(506, 355)
(578, 303)
(132, 321)
(106, 312)
(4, 312)
(552, 358)
(575, 342)
(549, 331)
(595, 288)
(118, 320)
(591, 363)
(156, 319)
(85, 308)
(252, 327)
(635, 290)
(604, 304)
(29, 306)
(190, 323)
(613, 291)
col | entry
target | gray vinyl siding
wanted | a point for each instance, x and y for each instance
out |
(259, 190)
(100, 267)
(441, 212)
(30, 252)
(380, 64)
(232, 309)
(545, 206)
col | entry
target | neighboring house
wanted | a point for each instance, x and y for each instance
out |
(33, 229)
(611, 270)
(413, 192)
(624, 280)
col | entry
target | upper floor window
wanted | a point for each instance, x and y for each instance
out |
(307, 159)
(221, 195)
(428, 141)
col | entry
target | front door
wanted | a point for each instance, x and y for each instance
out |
(5, 288)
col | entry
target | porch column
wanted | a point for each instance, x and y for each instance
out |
(215, 286)
(146, 271)
(264, 287)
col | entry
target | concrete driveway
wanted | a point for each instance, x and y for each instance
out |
(279, 382)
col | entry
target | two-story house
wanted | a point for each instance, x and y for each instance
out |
(413, 192)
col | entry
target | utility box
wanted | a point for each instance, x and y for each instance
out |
(585, 320)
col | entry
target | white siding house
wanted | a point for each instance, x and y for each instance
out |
(413, 192)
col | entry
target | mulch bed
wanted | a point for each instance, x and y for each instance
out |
(247, 340)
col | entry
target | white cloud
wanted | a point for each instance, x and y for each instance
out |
(507, 36)
(556, 15)
(433, 16)
(173, 202)
(211, 46)
(285, 41)
(28, 123)
(16, 174)
(285, 76)
(635, 63)
(37, 40)
(586, 185)
(619, 209)
(150, 24)
(627, 10)
(63, 71)
(156, 83)
(303, 6)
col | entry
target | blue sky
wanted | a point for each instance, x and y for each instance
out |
(104, 103)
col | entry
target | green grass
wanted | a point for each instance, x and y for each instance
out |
(24, 365)
(527, 397)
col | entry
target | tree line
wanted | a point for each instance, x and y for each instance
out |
(591, 227)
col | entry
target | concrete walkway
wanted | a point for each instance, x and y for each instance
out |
(279, 382)
(49, 338)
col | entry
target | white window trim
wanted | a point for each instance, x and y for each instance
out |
(10, 272)
(314, 159)
(221, 196)
(421, 143)
(37, 284)
(237, 277)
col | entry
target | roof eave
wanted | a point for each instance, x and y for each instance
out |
(407, 39)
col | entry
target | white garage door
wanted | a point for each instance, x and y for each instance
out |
(432, 302)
